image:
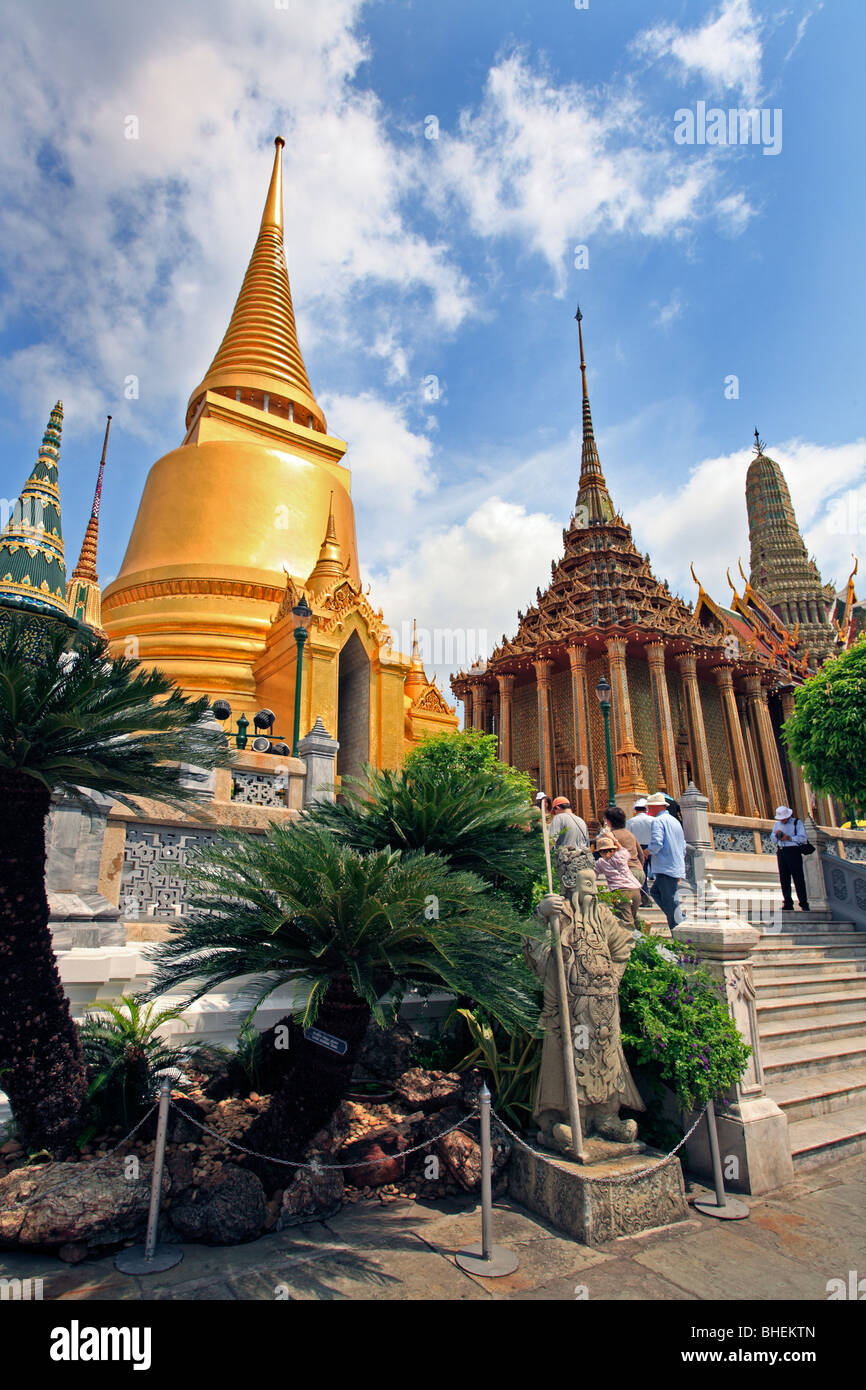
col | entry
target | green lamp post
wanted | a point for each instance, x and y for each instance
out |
(603, 694)
(302, 615)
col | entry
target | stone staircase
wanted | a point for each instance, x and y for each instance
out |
(810, 981)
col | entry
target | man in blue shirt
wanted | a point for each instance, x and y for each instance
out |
(790, 837)
(668, 849)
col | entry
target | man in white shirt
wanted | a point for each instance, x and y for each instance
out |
(790, 837)
(641, 826)
(668, 849)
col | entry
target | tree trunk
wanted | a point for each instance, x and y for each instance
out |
(313, 1086)
(41, 1066)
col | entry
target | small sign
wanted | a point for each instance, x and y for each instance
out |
(327, 1040)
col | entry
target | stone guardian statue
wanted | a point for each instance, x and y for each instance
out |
(595, 947)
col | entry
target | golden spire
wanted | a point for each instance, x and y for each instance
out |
(86, 567)
(259, 355)
(593, 494)
(329, 565)
(416, 678)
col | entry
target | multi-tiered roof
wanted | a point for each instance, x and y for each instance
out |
(602, 586)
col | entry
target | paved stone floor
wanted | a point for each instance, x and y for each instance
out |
(793, 1242)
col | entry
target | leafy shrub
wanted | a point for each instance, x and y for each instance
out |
(676, 1025)
(125, 1062)
(510, 1057)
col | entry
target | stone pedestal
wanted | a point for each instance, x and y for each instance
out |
(80, 915)
(318, 751)
(753, 1131)
(585, 1203)
(813, 869)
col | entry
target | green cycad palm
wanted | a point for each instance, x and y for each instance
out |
(73, 721)
(297, 905)
(476, 821)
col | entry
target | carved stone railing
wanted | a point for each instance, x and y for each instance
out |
(845, 881)
(753, 1130)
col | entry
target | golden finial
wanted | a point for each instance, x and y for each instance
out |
(273, 213)
(579, 317)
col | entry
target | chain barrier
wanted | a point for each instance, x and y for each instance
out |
(588, 1177)
(315, 1166)
(88, 1167)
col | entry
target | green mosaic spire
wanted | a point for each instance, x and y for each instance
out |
(32, 563)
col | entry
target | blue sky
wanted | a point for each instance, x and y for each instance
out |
(452, 258)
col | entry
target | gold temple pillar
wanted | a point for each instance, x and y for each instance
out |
(546, 766)
(506, 693)
(698, 734)
(747, 804)
(769, 753)
(464, 693)
(667, 752)
(629, 768)
(478, 703)
(583, 784)
(801, 802)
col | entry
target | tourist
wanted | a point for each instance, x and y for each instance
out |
(790, 837)
(566, 828)
(641, 826)
(614, 819)
(613, 866)
(668, 849)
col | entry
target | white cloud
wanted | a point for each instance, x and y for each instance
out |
(705, 519)
(392, 469)
(465, 582)
(126, 254)
(554, 165)
(725, 51)
(801, 30)
(666, 314)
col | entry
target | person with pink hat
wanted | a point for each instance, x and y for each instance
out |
(612, 866)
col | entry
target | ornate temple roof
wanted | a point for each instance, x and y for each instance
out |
(847, 614)
(259, 352)
(760, 638)
(602, 586)
(32, 561)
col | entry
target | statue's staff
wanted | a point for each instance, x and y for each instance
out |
(564, 1011)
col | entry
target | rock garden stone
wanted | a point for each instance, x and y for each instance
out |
(429, 1090)
(227, 1208)
(312, 1196)
(62, 1204)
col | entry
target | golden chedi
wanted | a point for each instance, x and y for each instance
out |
(251, 511)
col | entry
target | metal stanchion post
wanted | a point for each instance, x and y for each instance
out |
(487, 1259)
(725, 1207)
(151, 1258)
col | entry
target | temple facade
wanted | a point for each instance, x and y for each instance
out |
(250, 513)
(696, 694)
